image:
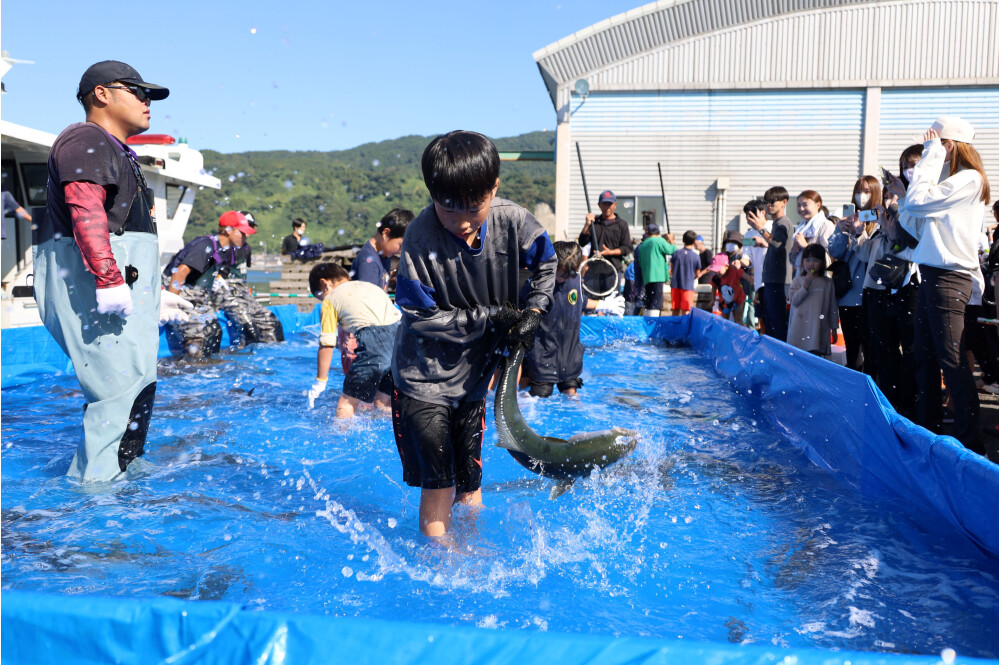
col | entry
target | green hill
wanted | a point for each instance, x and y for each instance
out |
(342, 194)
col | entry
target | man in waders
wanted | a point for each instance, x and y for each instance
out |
(198, 273)
(97, 280)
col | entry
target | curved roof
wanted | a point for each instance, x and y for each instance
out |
(683, 44)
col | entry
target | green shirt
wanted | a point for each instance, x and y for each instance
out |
(652, 257)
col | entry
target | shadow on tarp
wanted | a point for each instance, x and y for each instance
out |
(43, 629)
(836, 416)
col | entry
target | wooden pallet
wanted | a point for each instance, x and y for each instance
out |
(292, 288)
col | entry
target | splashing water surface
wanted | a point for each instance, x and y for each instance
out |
(716, 528)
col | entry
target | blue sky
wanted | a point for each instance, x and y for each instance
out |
(313, 75)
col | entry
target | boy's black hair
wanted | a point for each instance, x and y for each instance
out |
(396, 221)
(689, 238)
(460, 168)
(777, 193)
(298, 222)
(816, 251)
(330, 271)
(569, 255)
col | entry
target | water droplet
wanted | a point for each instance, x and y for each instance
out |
(347, 571)
(232, 178)
(289, 184)
(391, 522)
(375, 162)
(432, 256)
(341, 232)
(79, 170)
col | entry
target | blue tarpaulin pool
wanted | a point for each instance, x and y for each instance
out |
(629, 566)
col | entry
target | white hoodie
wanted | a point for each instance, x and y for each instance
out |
(945, 218)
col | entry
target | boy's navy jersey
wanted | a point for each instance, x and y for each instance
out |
(369, 266)
(558, 353)
(446, 349)
(683, 266)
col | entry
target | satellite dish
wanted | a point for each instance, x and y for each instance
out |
(581, 87)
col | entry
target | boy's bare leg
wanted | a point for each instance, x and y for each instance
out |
(435, 511)
(346, 406)
(383, 402)
(470, 498)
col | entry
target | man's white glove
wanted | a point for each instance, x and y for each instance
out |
(318, 386)
(115, 300)
(614, 305)
(172, 308)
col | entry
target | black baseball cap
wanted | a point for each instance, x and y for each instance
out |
(109, 71)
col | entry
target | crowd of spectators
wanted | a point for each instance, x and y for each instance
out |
(903, 281)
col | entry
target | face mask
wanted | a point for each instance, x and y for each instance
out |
(909, 174)
(731, 247)
(861, 199)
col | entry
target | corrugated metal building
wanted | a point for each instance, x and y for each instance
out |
(731, 97)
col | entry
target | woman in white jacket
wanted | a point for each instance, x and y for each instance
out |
(943, 210)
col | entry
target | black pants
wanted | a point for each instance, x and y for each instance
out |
(939, 325)
(776, 308)
(981, 339)
(890, 345)
(854, 324)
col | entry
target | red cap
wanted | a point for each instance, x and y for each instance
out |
(235, 218)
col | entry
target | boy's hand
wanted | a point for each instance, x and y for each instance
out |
(503, 318)
(318, 386)
(524, 330)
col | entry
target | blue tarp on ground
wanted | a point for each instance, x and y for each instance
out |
(837, 416)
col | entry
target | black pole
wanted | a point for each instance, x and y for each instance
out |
(663, 194)
(582, 175)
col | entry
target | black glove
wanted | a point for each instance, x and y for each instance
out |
(503, 318)
(524, 330)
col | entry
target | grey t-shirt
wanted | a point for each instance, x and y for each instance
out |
(446, 350)
(777, 268)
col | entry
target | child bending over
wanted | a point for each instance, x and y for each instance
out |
(364, 310)
(557, 358)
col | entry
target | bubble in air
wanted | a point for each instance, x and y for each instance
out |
(347, 571)
(289, 184)
(232, 178)
(63, 273)
(341, 232)
(375, 162)
(432, 256)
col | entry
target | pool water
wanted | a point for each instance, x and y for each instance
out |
(716, 528)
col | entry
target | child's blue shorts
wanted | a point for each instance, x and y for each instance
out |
(371, 367)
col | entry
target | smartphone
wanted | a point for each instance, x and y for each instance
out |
(848, 210)
(887, 177)
(867, 215)
(748, 242)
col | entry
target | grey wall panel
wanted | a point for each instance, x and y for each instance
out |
(801, 140)
(768, 43)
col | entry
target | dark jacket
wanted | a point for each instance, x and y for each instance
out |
(611, 233)
(558, 352)
(446, 350)
(777, 268)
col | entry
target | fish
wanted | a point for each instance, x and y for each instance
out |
(546, 455)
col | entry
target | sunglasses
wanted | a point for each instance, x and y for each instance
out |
(140, 93)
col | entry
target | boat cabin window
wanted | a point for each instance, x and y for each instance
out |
(35, 176)
(175, 194)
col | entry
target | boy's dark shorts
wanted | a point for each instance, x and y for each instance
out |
(653, 295)
(439, 446)
(545, 389)
(369, 369)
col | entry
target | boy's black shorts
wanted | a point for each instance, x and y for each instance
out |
(653, 295)
(545, 389)
(439, 446)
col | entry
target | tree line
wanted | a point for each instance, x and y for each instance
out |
(342, 194)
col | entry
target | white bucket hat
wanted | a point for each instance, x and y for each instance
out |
(951, 127)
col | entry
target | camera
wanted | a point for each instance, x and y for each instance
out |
(867, 215)
(756, 205)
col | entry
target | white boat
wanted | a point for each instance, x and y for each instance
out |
(173, 169)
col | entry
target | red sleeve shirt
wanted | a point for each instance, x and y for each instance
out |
(85, 201)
